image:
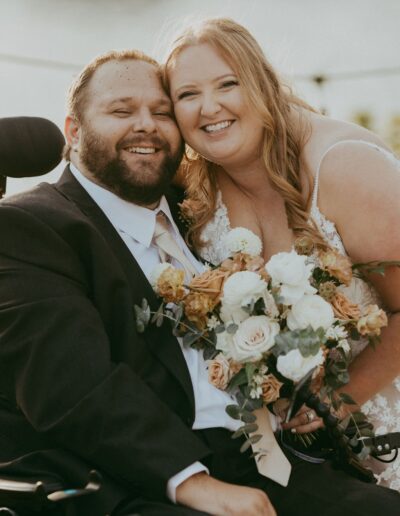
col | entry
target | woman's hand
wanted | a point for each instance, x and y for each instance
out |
(305, 421)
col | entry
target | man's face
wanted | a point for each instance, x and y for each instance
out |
(128, 139)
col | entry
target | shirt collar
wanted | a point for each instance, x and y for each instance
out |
(137, 221)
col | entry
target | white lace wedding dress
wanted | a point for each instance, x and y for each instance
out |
(383, 410)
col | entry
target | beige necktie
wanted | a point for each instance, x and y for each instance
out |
(271, 461)
(168, 247)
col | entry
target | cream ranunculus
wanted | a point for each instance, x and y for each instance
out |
(311, 310)
(254, 337)
(291, 273)
(242, 240)
(294, 366)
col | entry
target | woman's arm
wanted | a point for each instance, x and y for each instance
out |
(360, 193)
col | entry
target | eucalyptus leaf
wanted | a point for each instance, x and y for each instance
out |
(247, 416)
(250, 428)
(255, 438)
(358, 417)
(250, 369)
(308, 341)
(220, 328)
(239, 432)
(348, 400)
(209, 353)
(232, 328)
(239, 379)
(245, 446)
(233, 411)
(190, 338)
(178, 316)
(142, 317)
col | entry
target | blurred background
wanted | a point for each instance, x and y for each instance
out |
(342, 56)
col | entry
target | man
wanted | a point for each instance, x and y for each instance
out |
(80, 388)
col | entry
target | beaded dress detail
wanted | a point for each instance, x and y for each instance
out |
(383, 410)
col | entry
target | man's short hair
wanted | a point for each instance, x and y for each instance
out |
(77, 94)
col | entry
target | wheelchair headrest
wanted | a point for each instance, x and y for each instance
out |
(29, 146)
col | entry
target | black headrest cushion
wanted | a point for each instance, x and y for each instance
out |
(29, 146)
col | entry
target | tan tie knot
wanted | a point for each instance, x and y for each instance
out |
(167, 246)
(162, 224)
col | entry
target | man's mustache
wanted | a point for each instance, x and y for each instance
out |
(141, 141)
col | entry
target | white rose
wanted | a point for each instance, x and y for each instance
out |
(294, 366)
(242, 288)
(311, 310)
(254, 337)
(291, 272)
(233, 313)
(156, 273)
(242, 240)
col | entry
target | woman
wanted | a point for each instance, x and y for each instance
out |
(263, 159)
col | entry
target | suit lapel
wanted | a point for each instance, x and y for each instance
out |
(160, 340)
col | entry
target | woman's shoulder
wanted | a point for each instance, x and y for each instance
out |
(330, 137)
(338, 150)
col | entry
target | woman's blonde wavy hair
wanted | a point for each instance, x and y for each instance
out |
(283, 141)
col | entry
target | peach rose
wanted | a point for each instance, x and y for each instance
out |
(219, 372)
(210, 283)
(337, 265)
(170, 285)
(270, 388)
(372, 320)
(197, 305)
(343, 308)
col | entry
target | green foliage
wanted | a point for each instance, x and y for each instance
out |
(245, 429)
(240, 378)
(307, 341)
(142, 316)
(233, 411)
(345, 398)
(320, 276)
(232, 328)
(251, 440)
(158, 317)
(374, 267)
(250, 369)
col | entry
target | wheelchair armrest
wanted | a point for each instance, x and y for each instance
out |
(40, 495)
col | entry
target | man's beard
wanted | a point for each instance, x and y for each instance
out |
(144, 185)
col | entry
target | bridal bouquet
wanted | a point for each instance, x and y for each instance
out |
(265, 327)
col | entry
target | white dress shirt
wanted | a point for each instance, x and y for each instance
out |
(135, 224)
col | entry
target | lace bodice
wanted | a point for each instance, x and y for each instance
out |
(383, 409)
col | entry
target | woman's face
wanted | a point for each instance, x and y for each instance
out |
(211, 110)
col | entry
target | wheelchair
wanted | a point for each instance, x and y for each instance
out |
(31, 146)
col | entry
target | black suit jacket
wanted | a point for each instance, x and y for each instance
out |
(76, 379)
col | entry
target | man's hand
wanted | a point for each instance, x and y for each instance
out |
(205, 493)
